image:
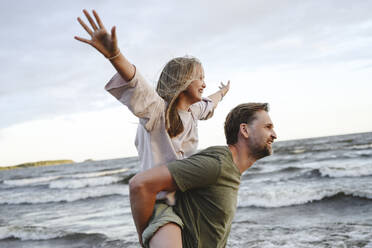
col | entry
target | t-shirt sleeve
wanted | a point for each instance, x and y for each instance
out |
(196, 171)
(203, 109)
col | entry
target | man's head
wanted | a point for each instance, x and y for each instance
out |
(250, 123)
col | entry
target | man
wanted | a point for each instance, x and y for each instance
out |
(207, 184)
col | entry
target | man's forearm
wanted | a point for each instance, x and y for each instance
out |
(142, 203)
(143, 190)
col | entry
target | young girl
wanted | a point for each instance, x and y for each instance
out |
(168, 116)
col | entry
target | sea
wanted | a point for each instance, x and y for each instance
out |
(311, 193)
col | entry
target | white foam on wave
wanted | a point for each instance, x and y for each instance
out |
(342, 168)
(28, 181)
(83, 182)
(66, 183)
(281, 194)
(99, 174)
(30, 233)
(277, 178)
(355, 171)
(298, 150)
(64, 195)
(363, 146)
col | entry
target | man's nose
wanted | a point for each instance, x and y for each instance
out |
(273, 135)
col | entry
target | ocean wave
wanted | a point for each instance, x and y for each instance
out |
(99, 173)
(28, 181)
(30, 233)
(282, 194)
(333, 168)
(64, 195)
(42, 233)
(301, 201)
(69, 181)
(361, 146)
(298, 150)
(311, 170)
(300, 175)
(84, 182)
(352, 171)
(342, 167)
(329, 172)
(276, 175)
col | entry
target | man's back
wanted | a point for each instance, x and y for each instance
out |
(209, 181)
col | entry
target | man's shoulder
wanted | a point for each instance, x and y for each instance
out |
(200, 169)
(210, 156)
(216, 151)
(223, 155)
(220, 153)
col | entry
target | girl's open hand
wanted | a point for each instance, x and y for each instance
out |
(225, 87)
(100, 38)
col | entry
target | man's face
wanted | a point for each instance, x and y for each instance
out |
(261, 135)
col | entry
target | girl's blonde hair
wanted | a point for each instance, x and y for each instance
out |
(175, 78)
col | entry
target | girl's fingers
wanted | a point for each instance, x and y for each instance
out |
(82, 40)
(113, 33)
(222, 86)
(85, 26)
(100, 24)
(228, 83)
(91, 21)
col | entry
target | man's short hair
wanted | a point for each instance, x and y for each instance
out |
(243, 113)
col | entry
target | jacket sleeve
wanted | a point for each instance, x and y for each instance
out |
(140, 98)
(204, 109)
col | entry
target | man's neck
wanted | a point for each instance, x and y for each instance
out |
(241, 156)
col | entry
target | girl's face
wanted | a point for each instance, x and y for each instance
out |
(195, 90)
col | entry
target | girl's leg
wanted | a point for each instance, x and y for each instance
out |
(168, 236)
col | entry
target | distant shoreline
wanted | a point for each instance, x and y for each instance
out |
(37, 164)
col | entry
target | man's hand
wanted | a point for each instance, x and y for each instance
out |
(100, 38)
(143, 190)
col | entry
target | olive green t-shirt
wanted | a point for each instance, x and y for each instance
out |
(206, 203)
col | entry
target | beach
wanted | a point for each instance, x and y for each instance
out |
(311, 193)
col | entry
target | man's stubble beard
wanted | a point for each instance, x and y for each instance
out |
(259, 151)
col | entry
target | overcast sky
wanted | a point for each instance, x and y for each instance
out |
(311, 60)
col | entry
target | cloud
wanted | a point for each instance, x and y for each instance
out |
(47, 73)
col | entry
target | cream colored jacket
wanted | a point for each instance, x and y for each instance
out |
(153, 143)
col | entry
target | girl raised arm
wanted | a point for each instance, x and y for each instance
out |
(106, 44)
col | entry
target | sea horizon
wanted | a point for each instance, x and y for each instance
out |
(91, 159)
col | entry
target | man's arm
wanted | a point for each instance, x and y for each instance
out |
(143, 190)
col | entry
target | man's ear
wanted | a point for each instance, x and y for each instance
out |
(244, 130)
